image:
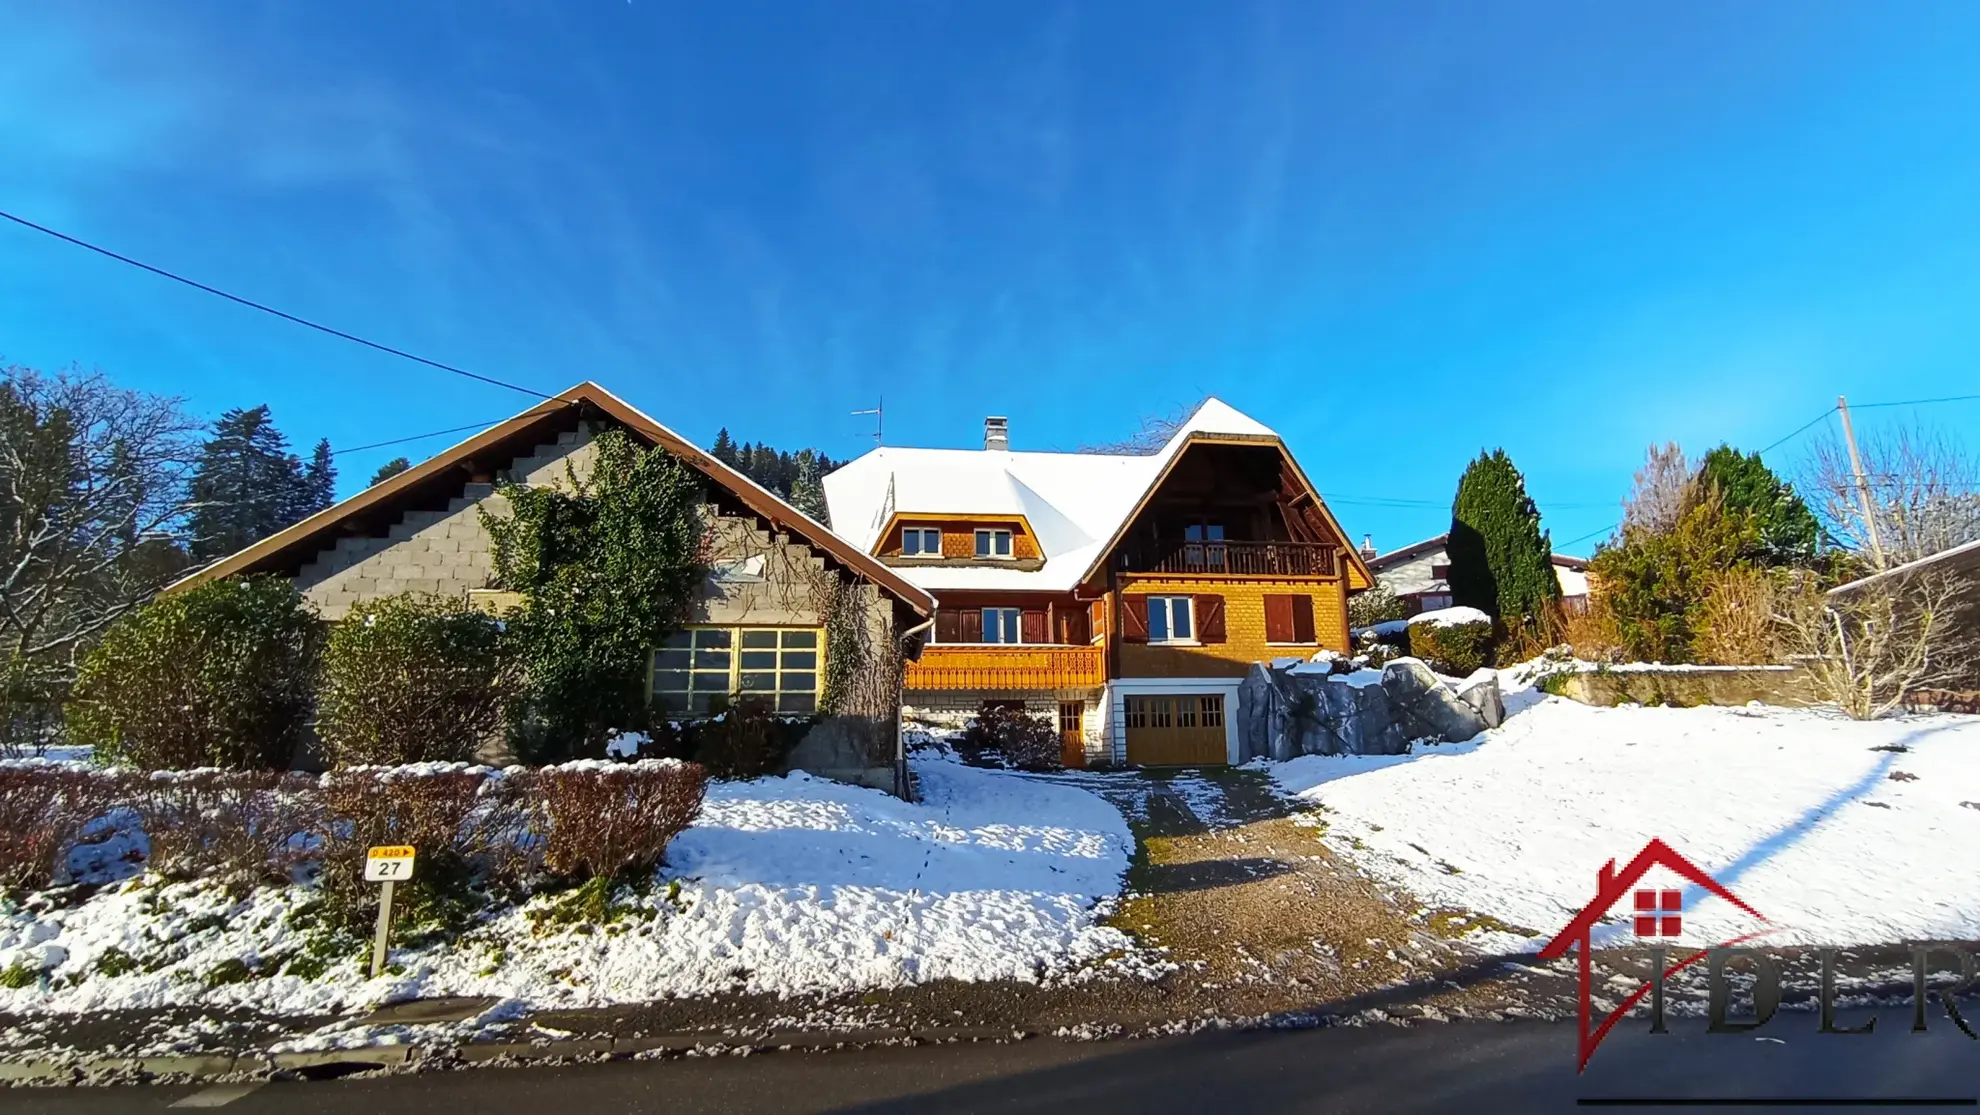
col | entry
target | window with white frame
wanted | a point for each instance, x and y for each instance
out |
(993, 543)
(697, 671)
(1000, 625)
(921, 542)
(1169, 620)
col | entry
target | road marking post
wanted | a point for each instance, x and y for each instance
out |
(386, 864)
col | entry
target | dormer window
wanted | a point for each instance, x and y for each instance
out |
(993, 543)
(921, 542)
(1440, 571)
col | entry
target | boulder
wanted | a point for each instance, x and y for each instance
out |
(1285, 713)
(1481, 692)
(1424, 706)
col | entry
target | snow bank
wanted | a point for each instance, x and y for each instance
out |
(1797, 811)
(1448, 617)
(786, 885)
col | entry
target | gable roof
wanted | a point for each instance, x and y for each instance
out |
(1078, 504)
(1964, 557)
(518, 436)
(1436, 542)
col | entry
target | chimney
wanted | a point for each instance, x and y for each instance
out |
(997, 434)
(1368, 550)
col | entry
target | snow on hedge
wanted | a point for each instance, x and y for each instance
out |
(786, 885)
(1448, 617)
(1810, 817)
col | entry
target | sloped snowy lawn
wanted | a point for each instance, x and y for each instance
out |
(786, 885)
(1794, 810)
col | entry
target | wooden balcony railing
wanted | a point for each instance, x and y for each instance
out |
(1007, 668)
(1235, 559)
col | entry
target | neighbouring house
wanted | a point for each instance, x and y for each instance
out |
(759, 627)
(1123, 596)
(1957, 570)
(1420, 573)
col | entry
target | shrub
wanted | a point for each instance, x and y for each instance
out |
(241, 826)
(1735, 622)
(1026, 741)
(409, 679)
(743, 741)
(42, 809)
(219, 675)
(1376, 605)
(441, 813)
(1652, 585)
(606, 566)
(1454, 649)
(611, 820)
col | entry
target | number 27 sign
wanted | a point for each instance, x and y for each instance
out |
(388, 863)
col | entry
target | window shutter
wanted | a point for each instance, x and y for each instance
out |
(970, 624)
(1278, 619)
(948, 627)
(1134, 619)
(1302, 619)
(1074, 628)
(1031, 626)
(1209, 609)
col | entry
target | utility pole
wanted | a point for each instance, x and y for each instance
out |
(879, 414)
(1862, 486)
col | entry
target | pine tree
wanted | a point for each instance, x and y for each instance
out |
(807, 494)
(318, 488)
(1501, 561)
(1786, 527)
(725, 448)
(388, 470)
(245, 484)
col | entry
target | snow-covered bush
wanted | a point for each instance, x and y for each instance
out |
(222, 675)
(744, 741)
(441, 810)
(43, 806)
(409, 679)
(1455, 641)
(241, 826)
(1026, 741)
(602, 820)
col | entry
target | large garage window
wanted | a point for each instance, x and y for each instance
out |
(699, 671)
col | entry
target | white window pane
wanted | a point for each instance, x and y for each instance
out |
(1158, 619)
(1179, 617)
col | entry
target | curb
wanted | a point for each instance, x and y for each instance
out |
(194, 1066)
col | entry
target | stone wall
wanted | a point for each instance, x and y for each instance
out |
(1686, 686)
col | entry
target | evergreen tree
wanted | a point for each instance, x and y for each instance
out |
(318, 487)
(388, 470)
(725, 448)
(1501, 561)
(245, 484)
(1787, 529)
(807, 494)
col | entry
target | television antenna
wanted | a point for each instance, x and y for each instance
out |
(879, 414)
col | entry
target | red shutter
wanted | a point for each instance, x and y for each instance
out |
(1278, 619)
(1074, 629)
(970, 624)
(1031, 626)
(1134, 619)
(948, 628)
(1209, 618)
(1302, 619)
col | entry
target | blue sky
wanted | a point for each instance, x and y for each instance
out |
(1398, 232)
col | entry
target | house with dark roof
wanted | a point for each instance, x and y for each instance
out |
(1420, 573)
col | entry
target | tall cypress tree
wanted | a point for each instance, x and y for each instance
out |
(245, 485)
(1787, 528)
(1501, 561)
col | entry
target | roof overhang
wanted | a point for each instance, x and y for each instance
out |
(322, 529)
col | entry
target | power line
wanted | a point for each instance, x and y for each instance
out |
(1590, 534)
(1797, 432)
(253, 305)
(414, 437)
(1919, 402)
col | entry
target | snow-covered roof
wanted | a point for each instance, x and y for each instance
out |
(1075, 502)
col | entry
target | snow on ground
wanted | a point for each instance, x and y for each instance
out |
(1815, 820)
(786, 885)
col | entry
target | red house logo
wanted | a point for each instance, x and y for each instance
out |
(1657, 914)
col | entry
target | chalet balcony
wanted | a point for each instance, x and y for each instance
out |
(1012, 667)
(1235, 559)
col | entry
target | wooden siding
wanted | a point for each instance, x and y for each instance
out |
(1007, 668)
(1245, 639)
(959, 537)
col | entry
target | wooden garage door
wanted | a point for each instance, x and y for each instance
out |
(1184, 729)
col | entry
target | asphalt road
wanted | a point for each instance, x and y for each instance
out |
(1483, 1067)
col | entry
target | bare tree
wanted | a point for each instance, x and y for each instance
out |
(1155, 432)
(1923, 491)
(92, 492)
(1873, 645)
(1657, 495)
